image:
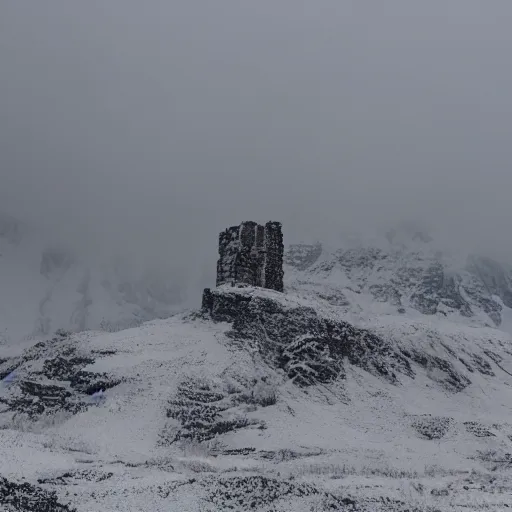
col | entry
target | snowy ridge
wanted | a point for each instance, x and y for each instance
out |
(406, 278)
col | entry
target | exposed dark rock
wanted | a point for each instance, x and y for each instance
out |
(432, 427)
(251, 254)
(482, 365)
(200, 414)
(104, 352)
(28, 498)
(239, 451)
(467, 365)
(60, 363)
(309, 348)
(477, 429)
(223, 307)
(188, 412)
(60, 368)
(90, 382)
(35, 399)
(440, 492)
(74, 477)
(264, 399)
(257, 492)
(71, 370)
(286, 455)
(6, 368)
(442, 371)
(493, 356)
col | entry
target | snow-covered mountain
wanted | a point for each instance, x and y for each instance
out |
(45, 287)
(380, 380)
(405, 273)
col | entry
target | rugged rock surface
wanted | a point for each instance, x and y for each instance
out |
(251, 254)
(309, 348)
(257, 492)
(25, 497)
(432, 427)
(49, 380)
(312, 349)
(204, 412)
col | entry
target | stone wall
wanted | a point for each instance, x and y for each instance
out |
(274, 251)
(251, 254)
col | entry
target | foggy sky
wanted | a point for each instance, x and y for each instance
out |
(148, 127)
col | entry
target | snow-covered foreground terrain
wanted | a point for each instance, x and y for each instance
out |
(335, 395)
(196, 418)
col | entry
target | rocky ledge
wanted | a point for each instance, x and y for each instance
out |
(310, 349)
(314, 349)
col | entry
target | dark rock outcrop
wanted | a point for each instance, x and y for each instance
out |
(251, 254)
(255, 492)
(432, 427)
(56, 360)
(312, 349)
(477, 429)
(439, 370)
(26, 497)
(204, 412)
(309, 348)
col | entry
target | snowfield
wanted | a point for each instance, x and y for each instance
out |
(321, 398)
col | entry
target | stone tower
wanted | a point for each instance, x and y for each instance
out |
(252, 254)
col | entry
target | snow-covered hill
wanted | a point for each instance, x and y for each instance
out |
(44, 287)
(335, 395)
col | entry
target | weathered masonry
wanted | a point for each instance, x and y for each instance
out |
(252, 254)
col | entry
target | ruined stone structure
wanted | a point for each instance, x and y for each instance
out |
(252, 254)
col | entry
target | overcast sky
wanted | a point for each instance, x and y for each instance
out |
(152, 125)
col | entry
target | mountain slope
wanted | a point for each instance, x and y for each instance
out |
(407, 275)
(266, 401)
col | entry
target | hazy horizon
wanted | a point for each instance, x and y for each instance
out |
(147, 129)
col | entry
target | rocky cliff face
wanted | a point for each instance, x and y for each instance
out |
(309, 348)
(251, 254)
(315, 346)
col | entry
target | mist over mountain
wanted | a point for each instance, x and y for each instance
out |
(375, 375)
(145, 131)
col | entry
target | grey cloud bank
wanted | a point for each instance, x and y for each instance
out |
(148, 127)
